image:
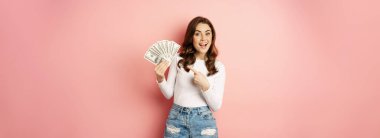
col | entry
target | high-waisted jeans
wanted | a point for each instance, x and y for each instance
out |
(190, 122)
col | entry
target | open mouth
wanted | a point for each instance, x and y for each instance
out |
(203, 44)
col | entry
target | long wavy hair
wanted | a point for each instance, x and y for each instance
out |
(188, 51)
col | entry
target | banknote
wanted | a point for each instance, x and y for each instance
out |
(160, 50)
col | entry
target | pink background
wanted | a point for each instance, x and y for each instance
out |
(295, 69)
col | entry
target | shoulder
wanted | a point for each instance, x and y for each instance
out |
(176, 58)
(219, 66)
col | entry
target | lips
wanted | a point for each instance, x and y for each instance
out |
(203, 44)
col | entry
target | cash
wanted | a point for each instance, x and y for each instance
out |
(160, 50)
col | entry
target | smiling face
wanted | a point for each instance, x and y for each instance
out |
(202, 39)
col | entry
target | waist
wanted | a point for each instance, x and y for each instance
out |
(179, 108)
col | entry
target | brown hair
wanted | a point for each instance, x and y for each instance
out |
(188, 51)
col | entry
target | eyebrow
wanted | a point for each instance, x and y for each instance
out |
(200, 31)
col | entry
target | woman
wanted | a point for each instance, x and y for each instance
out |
(196, 80)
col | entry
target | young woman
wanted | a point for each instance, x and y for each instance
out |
(196, 79)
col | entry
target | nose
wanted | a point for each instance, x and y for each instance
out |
(202, 37)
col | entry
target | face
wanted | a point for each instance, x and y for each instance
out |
(202, 38)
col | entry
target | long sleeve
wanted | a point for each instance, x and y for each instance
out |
(214, 95)
(167, 85)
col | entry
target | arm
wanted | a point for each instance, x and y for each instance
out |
(214, 94)
(167, 86)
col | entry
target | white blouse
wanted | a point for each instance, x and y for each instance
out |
(180, 84)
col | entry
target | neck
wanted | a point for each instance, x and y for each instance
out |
(200, 56)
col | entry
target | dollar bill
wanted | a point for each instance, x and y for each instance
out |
(161, 50)
(153, 58)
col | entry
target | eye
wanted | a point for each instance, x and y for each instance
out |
(196, 34)
(208, 33)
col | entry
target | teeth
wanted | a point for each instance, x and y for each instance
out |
(203, 44)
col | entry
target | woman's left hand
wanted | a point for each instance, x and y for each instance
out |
(200, 79)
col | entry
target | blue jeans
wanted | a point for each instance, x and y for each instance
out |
(190, 122)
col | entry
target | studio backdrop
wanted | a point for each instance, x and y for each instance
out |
(295, 69)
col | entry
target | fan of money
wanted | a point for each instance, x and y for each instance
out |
(163, 49)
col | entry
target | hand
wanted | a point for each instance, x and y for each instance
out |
(200, 79)
(160, 70)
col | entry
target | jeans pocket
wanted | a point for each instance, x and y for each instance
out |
(207, 115)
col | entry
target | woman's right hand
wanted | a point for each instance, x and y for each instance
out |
(160, 70)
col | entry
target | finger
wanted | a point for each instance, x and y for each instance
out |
(161, 66)
(161, 72)
(165, 66)
(157, 68)
(195, 81)
(167, 63)
(162, 61)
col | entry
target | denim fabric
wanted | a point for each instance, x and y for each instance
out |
(190, 122)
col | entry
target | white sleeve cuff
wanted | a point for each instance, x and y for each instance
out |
(208, 90)
(161, 83)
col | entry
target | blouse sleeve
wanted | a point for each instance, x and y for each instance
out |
(167, 86)
(214, 95)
